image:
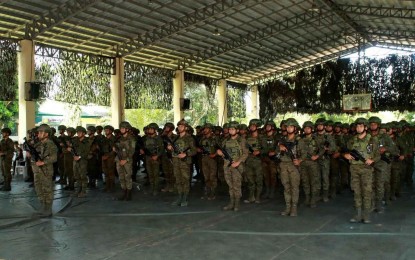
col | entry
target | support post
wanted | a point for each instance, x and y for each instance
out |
(117, 93)
(222, 103)
(178, 93)
(26, 73)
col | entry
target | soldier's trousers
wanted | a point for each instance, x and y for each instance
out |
(396, 168)
(310, 180)
(324, 174)
(80, 170)
(6, 167)
(221, 172)
(334, 175)
(209, 169)
(233, 177)
(167, 166)
(344, 173)
(68, 168)
(61, 168)
(124, 174)
(407, 171)
(108, 167)
(361, 181)
(290, 178)
(254, 174)
(387, 182)
(43, 182)
(181, 169)
(153, 171)
(381, 168)
(269, 167)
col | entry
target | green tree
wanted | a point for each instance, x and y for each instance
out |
(9, 112)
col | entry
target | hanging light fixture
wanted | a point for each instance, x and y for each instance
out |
(216, 32)
(314, 7)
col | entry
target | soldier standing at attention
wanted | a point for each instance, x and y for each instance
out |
(80, 152)
(382, 166)
(124, 147)
(61, 160)
(361, 169)
(43, 169)
(308, 151)
(6, 154)
(290, 176)
(68, 159)
(208, 142)
(153, 151)
(235, 146)
(108, 158)
(93, 157)
(166, 160)
(326, 143)
(253, 164)
(183, 148)
(269, 165)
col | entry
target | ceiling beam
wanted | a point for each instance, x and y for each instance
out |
(281, 72)
(304, 19)
(158, 34)
(379, 11)
(56, 16)
(333, 39)
(391, 33)
(345, 17)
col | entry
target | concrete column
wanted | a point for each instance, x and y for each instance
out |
(178, 93)
(26, 73)
(254, 103)
(117, 93)
(222, 102)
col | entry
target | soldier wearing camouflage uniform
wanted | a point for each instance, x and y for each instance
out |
(362, 169)
(108, 158)
(124, 147)
(182, 148)
(269, 163)
(382, 166)
(166, 159)
(326, 143)
(253, 164)
(309, 152)
(153, 150)
(68, 158)
(336, 159)
(43, 169)
(93, 157)
(408, 163)
(290, 175)
(61, 162)
(236, 148)
(6, 156)
(80, 150)
(207, 149)
(224, 136)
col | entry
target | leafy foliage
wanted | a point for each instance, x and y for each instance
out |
(8, 74)
(235, 97)
(203, 110)
(148, 87)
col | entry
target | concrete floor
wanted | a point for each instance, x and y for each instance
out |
(99, 227)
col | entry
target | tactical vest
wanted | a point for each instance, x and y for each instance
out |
(311, 147)
(364, 146)
(233, 147)
(150, 143)
(208, 144)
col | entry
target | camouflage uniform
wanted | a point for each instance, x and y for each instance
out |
(166, 161)
(80, 167)
(7, 147)
(407, 169)
(124, 148)
(47, 151)
(253, 168)
(209, 164)
(153, 146)
(270, 165)
(239, 153)
(68, 161)
(93, 161)
(108, 160)
(309, 169)
(181, 167)
(362, 174)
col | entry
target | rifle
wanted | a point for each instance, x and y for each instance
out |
(355, 154)
(226, 155)
(32, 150)
(74, 152)
(289, 146)
(176, 149)
(251, 149)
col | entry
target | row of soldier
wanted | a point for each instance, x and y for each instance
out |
(319, 159)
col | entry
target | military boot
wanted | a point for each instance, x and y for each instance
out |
(325, 195)
(212, 195)
(258, 196)
(378, 206)
(231, 204)
(236, 207)
(287, 210)
(123, 195)
(267, 192)
(251, 198)
(7, 186)
(184, 202)
(366, 216)
(178, 201)
(358, 217)
(313, 201)
(47, 210)
(293, 211)
(128, 195)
